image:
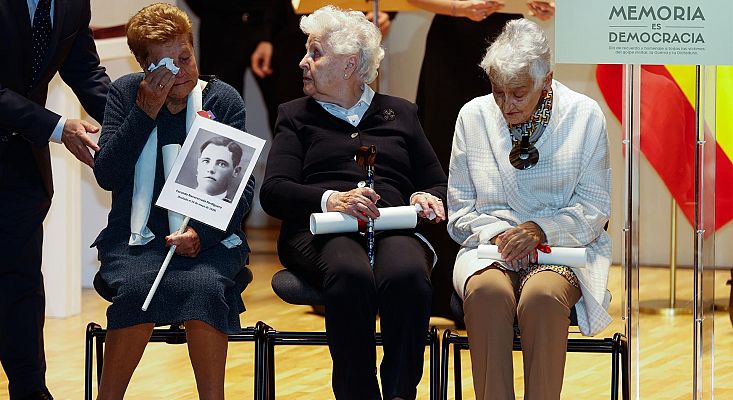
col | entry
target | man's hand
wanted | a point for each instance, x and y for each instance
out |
(75, 138)
(187, 243)
(356, 202)
(153, 91)
(261, 58)
(383, 22)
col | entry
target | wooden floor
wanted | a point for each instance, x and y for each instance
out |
(304, 372)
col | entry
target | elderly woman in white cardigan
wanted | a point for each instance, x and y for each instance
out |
(529, 166)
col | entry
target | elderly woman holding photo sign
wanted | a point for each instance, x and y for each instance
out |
(312, 168)
(529, 167)
(146, 114)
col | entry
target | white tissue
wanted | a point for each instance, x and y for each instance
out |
(429, 213)
(569, 256)
(165, 62)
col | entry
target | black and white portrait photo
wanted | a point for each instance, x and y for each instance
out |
(210, 172)
(214, 165)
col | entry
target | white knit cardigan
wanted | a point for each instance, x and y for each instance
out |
(567, 193)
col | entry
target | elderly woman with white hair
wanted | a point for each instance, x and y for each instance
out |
(311, 168)
(529, 166)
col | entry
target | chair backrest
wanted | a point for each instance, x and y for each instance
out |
(293, 289)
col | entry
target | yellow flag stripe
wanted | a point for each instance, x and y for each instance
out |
(724, 110)
(684, 75)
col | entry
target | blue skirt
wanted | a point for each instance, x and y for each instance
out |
(201, 288)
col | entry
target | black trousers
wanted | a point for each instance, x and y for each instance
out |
(24, 204)
(398, 288)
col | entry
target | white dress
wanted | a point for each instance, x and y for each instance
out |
(568, 193)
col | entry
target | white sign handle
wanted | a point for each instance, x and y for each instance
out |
(163, 267)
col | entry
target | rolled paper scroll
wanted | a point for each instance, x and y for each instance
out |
(573, 257)
(404, 217)
(170, 153)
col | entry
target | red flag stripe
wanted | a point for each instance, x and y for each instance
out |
(668, 136)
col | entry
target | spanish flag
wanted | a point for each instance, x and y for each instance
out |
(668, 129)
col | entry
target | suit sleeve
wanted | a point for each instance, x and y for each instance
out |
(82, 72)
(283, 193)
(22, 115)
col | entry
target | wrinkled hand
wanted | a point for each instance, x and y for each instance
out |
(76, 139)
(360, 203)
(518, 245)
(187, 243)
(261, 58)
(476, 10)
(542, 10)
(153, 90)
(429, 202)
(383, 22)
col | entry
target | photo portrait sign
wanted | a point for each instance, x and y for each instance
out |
(210, 173)
(686, 32)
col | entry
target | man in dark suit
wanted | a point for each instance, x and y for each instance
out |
(39, 38)
(229, 30)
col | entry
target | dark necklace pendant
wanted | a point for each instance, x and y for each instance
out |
(524, 158)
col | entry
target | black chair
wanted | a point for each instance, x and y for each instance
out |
(294, 290)
(616, 346)
(175, 334)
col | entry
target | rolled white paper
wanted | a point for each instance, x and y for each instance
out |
(404, 217)
(570, 256)
(163, 267)
(170, 153)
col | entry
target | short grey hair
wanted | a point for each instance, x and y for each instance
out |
(520, 50)
(348, 32)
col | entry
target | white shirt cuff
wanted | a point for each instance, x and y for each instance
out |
(57, 131)
(324, 199)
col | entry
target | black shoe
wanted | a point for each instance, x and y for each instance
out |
(42, 395)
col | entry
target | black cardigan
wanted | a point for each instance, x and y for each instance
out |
(313, 151)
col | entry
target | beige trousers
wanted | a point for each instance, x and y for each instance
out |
(543, 312)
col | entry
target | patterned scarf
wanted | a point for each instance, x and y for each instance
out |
(537, 124)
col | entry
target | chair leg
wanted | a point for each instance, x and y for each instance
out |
(432, 365)
(270, 362)
(625, 383)
(615, 355)
(88, 354)
(260, 361)
(457, 371)
(444, 365)
(100, 355)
